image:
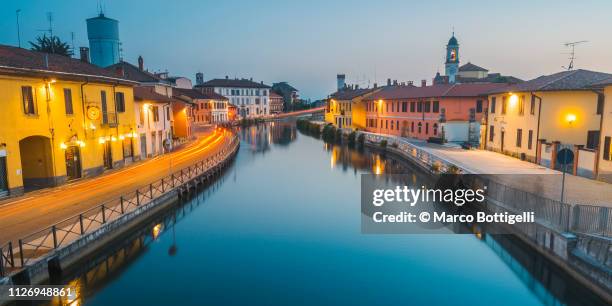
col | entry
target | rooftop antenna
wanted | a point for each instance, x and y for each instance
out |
(72, 39)
(18, 32)
(572, 53)
(50, 29)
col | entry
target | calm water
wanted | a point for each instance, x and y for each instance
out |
(282, 227)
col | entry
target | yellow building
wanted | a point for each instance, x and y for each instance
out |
(604, 166)
(346, 109)
(536, 119)
(61, 119)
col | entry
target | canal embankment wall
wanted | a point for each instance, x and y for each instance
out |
(585, 256)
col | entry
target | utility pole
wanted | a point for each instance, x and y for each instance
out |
(18, 32)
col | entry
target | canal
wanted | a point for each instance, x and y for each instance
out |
(282, 226)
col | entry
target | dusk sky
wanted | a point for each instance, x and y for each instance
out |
(308, 42)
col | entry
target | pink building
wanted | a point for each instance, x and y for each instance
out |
(453, 112)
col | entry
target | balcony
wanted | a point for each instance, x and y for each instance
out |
(110, 119)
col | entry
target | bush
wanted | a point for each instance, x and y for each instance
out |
(361, 139)
(394, 145)
(435, 167)
(351, 139)
(383, 144)
(452, 169)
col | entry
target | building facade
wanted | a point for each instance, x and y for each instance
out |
(536, 119)
(154, 122)
(276, 103)
(346, 109)
(604, 163)
(449, 112)
(289, 93)
(61, 119)
(209, 107)
(251, 98)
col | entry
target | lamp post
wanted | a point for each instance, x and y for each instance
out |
(566, 156)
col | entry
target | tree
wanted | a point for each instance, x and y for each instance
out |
(51, 44)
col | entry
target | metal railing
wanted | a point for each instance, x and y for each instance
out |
(33, 247)
(564, 217)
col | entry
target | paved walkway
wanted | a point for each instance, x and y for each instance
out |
(40, 209)
(525, 175)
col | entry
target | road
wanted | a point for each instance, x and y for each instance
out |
(37, 210)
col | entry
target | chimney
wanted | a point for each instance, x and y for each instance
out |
(119, 71)
(84, 54)
(423, 83)
(226, 77)
(394, 82)
(140, 63)
(388, 82)
(375, 85)
(199, 78)
(251, 79)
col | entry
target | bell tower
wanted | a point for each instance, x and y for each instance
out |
(452, 59)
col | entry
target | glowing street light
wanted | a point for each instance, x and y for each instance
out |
(570, 118)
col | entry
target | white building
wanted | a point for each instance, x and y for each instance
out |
(252, 99)
(153, 121)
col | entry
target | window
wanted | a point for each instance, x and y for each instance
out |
(167, 113)
(392, 124)
(600, 103)
(141, 113)
(404, 107)
(504, 105)
(493, 100)
(479, 106)
(607, 149)
(397, 125)
(386, 124)
(427, 107)
(436, 106)
(592, 140)
(521, 105)
(392, 106)
(104, 107)
(435, 129)
(420, 107)
(155, 111)
(519, 138)
(491, 133)
(68, 101)
(387, 107)
(532, 106)
(427, 128)
(29, 108)
(420, 125)
(120, 102)
(412, 127)
(530, 139)
(412, 107)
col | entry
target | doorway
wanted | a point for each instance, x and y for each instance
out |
(108, 155)
(143, 146)
(3, 176)
(36, 162)
(503, 134)
(73, 162)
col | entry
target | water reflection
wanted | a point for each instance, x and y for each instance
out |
(253, 238)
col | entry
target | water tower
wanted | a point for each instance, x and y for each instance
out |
(104, 46)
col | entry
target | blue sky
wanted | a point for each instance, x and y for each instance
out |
(308, 42)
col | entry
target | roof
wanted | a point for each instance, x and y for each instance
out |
(471, 67)
(349, 94)
(285, 86)
(241, 83)
(196, 94)
(603, 83)
(453, 41)
(133, 73)
(148, 93)
(275, 95)
(490, 78)
(22, 61)
(579, 79)
(436, 91)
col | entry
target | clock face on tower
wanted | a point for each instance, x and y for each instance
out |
(93, 113)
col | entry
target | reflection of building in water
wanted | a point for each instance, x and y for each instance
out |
(259, 138)
(283, 132)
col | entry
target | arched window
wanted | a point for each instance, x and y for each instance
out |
(435, 129)
(420, 125)
(412, 127)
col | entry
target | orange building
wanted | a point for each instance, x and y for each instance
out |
(452, 112)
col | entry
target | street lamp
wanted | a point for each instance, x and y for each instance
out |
(570, 118)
